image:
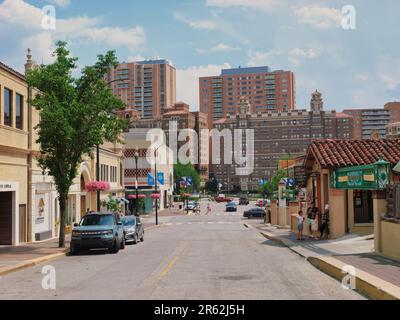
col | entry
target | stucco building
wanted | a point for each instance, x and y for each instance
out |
(29, 208)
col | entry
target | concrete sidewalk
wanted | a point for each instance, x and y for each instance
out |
(376, 276)
(15, 258)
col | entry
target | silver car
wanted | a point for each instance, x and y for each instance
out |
(133, 228)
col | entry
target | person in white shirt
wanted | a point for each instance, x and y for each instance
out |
(300, 225)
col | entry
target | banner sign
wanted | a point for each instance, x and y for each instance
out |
(369, 177)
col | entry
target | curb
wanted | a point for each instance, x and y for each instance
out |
(366, 283)
(154, 227)
(31, 263)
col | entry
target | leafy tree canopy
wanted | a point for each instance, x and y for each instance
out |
(76, 114)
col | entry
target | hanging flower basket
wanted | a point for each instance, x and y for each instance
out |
(155, 196)
(186, 195)
(140, 196)
(98, 186)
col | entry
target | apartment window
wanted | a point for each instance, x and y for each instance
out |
(19, 112)
(7, 107)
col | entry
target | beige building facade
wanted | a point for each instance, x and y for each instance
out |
(29, 208)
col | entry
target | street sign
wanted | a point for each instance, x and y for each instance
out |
(290, 182)
(190, 181)
(150, 180)
(160, 178)
(183, 182)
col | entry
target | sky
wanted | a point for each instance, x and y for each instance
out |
(353, 68)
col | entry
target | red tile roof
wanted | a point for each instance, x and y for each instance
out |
(343, 153)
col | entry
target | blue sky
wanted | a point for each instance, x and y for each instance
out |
(352, 68)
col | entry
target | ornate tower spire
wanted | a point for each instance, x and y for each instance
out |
(317, 103)
(29, 62)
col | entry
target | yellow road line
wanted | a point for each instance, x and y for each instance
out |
(169, 267)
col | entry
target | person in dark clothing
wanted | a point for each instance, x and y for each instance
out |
(325, 223)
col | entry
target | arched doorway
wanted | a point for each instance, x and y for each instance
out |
(85, 199)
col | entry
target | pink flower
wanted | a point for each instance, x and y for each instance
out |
(98, 186)
(140, 196)
(155, 196)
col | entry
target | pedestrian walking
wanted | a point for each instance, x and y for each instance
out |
(208, 209)
(314, 222)
(300, 225)
(309, 218)
(324, 230)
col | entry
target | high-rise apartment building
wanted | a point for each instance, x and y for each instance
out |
(149, 87)
(266, 90)
(277, 135)
(369, 122)
(394, 109)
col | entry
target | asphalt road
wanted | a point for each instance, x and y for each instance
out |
(192, 257)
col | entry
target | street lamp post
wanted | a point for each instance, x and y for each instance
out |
(98, 175)
(136, 155)
(155, 181)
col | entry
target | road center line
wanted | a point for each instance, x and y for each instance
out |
(169, 267)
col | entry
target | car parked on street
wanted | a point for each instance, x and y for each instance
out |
(243, 201)
(191, 205)
(133, 227)
(98, 230)
(254, 213)
(231, 207)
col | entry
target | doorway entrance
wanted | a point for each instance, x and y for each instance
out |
(363, 207)
(6, 209)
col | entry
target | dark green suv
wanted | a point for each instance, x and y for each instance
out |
(97, 231)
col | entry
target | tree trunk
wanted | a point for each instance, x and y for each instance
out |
(63, 214)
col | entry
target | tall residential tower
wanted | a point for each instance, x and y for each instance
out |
(146, 86)
(265, 90)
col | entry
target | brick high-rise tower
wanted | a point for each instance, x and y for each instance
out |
(266, 91)
(146, 86)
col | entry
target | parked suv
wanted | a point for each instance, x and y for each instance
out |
(96, 231)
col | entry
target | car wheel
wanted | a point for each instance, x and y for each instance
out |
(123, 243)
(115, 248)
(251, 217)
(142, 238)
(135, 239)
(73, 251)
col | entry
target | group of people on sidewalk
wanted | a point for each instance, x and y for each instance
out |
(312, 221)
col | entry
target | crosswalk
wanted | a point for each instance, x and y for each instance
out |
(203, 223)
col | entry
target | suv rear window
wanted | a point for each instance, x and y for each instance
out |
(98, 220)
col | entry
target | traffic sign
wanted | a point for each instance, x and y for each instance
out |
(150, 180)
(160, 178)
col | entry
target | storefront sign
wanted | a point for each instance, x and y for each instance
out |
(6, 187)
(369, 177)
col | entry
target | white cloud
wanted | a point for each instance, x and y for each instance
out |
(187, 82)
(220, 47)
(60, 3)
(196, 24)
(258, 58)
(297, 54)
(265, 5)
(317, 16)
(25, 23)
(137, 57)
(388, 72)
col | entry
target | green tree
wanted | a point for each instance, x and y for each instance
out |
(76, 114)
(186, 170)
(272, 185)
(212, 185)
